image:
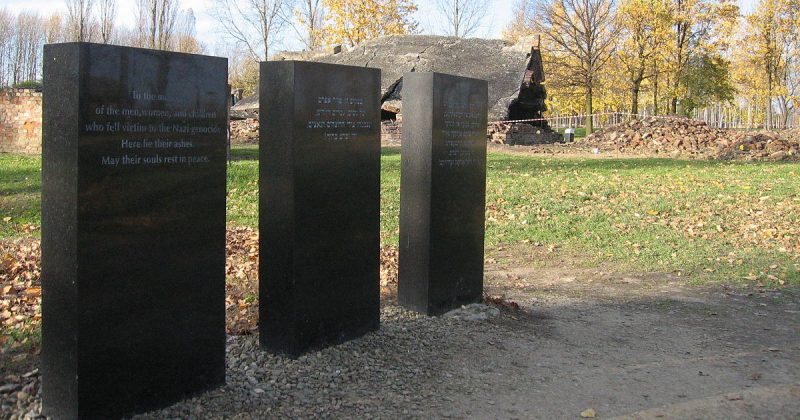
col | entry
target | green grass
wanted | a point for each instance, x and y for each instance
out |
(20, 198)
(652, 214)
(243, 186)
(390, 196)
(711, 221)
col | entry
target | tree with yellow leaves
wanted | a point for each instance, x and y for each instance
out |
(309, 18)
(768, 50)
(701, 32)
(519, 27)
(581, 37)
(352, 22)
(598, 56)
(645, 28)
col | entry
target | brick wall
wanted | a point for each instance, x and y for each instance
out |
(20, 121)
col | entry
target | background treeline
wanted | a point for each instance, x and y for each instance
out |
(247, 29)
(637, 56)
(159, 24)
(668, 56)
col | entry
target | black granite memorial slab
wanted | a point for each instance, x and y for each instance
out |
(442, 192)
(319, 215)
(133, 228)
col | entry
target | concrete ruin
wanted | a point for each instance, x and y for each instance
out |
(514, 73)
(502, 64)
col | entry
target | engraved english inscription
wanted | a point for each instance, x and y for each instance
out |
(133, 228)
(152, 130)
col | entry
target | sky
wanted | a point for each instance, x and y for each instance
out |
(498, 16)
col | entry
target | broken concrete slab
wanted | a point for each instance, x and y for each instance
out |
(501, 63)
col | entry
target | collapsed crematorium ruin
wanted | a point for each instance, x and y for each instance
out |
(514, 73)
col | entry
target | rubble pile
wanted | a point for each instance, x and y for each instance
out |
(391, 132)
(668, 136)
(520, 134)
(244, 131)
(685, 137)
(762, 145)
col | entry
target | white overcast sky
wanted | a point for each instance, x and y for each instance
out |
(499, 14)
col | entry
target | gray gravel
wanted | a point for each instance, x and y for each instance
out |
(394, 372)
(19, 396)
(473, 312)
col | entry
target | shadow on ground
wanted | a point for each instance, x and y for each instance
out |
(633, 346)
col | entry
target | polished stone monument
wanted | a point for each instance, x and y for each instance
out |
(133, 228)
(442, 192)
(319, 216)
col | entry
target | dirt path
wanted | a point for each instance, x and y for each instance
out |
(635, 346)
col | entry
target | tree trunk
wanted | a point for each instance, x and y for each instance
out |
(785, 111)
(635, 98)
(589, 122)
(655, 94)
(768, 117)
(456, 18)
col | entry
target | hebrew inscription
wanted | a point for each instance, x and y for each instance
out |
(339, 118)
(461, 124)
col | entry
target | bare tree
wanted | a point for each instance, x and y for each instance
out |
(309, 18)
(185, 36)
(107, 14)
(128, 36)
(54, 30)
(6, 40)
(79, 20)
(25, 56)
(253, 24)
(790, 79)
(463, 16)
(156, 21)
(582, 38)
(242, 69)
(17, 55)
(33, 46)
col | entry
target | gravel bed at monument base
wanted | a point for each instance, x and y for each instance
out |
(396, 371)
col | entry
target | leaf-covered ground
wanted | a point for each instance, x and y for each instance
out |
(20, 293)
(708, 222)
